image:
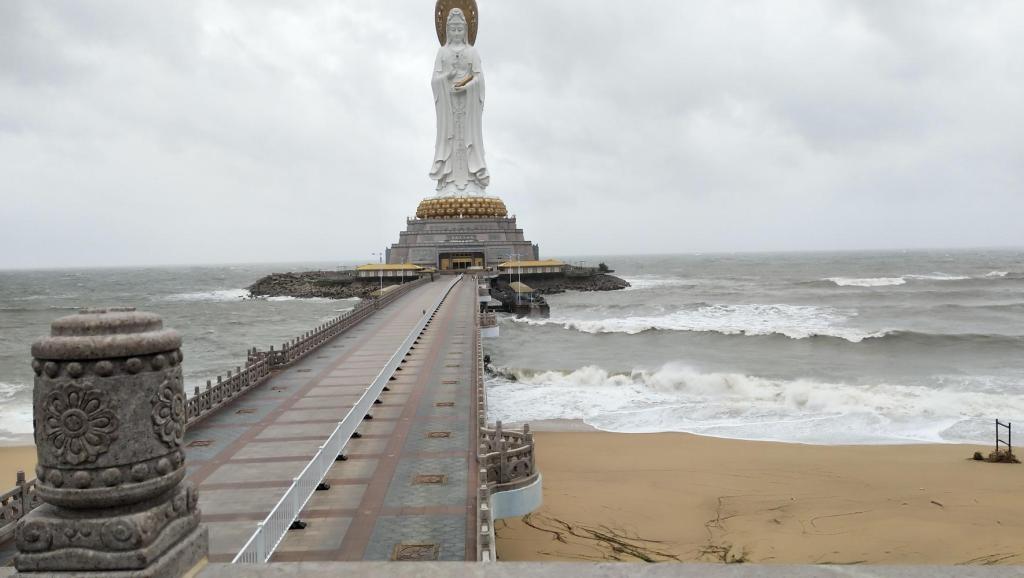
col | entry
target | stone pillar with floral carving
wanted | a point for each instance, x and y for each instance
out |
(109, 411)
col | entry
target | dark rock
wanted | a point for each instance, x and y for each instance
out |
(328, 284)
(550, 284)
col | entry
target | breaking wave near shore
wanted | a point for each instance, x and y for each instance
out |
(882, 347)
(15, 413)
(677, 398)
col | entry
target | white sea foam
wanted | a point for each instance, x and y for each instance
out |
(793, 321)
(868, 282)
(997, 274)
(15, 414)
(678, 398)
(937, 277)
(892, 281)
(653, 282)
(303, 299)
(219, 295)
(9, 390)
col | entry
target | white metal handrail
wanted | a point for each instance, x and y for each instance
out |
(271, 531)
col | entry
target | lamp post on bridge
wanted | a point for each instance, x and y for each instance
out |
(519, 269)
(380, 272)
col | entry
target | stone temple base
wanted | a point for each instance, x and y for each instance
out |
(456, 243)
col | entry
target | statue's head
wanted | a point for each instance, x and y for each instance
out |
(456, 26)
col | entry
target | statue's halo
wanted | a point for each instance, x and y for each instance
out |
(441, 10)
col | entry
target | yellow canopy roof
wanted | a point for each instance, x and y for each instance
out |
(520, 287)
(546, 263)
(389, 267)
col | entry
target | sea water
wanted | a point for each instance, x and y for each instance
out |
(825, 348)
(830, 348)
(209, 306)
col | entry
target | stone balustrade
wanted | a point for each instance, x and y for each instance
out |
(485, 543)
(259, 366)
(508, 457)
(488, 320)
(481, 384)
(15, 503)
(505, 457)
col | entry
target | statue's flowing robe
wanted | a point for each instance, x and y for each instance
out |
(459, 148)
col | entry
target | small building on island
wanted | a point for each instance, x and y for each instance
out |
(532, 267)
(523, 291)
(389, 270)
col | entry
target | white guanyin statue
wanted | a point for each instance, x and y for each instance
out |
(458, 82)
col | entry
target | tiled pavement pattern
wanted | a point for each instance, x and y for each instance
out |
(244, 457)
(385, 511)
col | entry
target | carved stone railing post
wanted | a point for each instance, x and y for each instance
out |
(110, 416)
(502, 460)
(25, 498)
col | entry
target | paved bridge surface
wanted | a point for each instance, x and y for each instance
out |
(410, 479)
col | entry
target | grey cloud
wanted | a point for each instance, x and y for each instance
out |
(144, 132)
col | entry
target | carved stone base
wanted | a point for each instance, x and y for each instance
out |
(176, 562)
(135, 538)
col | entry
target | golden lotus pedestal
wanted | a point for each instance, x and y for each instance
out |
(461, 232)
(461, 208)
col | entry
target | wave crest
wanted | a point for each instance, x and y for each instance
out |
(793, 321)
(901, 280)
(220, 295)
(868, 282)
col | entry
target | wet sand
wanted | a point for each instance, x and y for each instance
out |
(665, 497)
(12, 459)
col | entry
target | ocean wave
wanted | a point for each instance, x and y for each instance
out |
(221, 295)
(938, 277)
(901, 280)
(15, 412)
(939, 339)
(793, 321)
(868, 282)
(997, 274)
(655, 282)
(678, 398)
(9, 390)
(303, 299)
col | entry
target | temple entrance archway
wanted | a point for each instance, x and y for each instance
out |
(460, 261)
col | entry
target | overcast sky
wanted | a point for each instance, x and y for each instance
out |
(141, 132)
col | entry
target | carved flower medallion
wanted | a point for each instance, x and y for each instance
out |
(169, 413)
(79, 423)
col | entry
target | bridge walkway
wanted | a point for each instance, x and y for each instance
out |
(244, 457)
(408, 491)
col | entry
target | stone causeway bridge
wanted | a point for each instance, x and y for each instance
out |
(363, 439)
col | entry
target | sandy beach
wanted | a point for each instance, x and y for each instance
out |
(679, 497)
(12, 459)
